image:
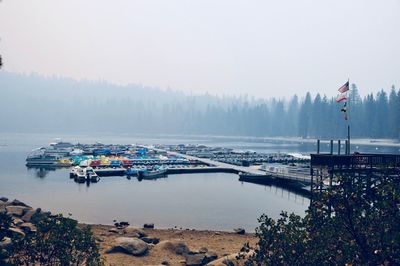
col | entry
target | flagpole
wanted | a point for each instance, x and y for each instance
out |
(348, 119)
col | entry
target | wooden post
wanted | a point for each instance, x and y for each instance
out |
(331, 146)
(348, 138)
(338, 147)
(318, 143)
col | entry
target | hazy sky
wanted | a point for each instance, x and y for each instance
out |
(262, 48)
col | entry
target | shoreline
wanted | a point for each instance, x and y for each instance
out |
(355, 141)
(118, 244)
(220, 243)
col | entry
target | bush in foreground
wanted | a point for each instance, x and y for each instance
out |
(356, 222)
(57, 241)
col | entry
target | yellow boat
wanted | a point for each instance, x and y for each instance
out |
(104, 162)
(64, 162)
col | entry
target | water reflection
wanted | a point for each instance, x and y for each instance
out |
(42, 171)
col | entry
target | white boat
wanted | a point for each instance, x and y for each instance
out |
(40, 157)
(73, 171)
(154, 174)
(80, 175)
(76, 152)
(91, 174)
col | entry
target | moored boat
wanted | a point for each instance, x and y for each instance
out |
(134, 171)
(43, 159)
(153, 174)
(80, 175)
(91, 174)
(64, 162)
(73, 171)
(110, 171)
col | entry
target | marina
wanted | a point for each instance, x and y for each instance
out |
(158, 161)
(188, 187)
(296, 171)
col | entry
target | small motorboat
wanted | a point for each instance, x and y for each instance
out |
(74, 171)
(91, 175)
(153, 174)
(135, 171)
(80, 175)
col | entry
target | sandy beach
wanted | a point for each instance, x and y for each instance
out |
(220, 243)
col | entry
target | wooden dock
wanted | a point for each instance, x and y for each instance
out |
(246, 173)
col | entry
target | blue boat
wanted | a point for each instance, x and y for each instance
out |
(135, 171)
(115, 163)
(98, 152)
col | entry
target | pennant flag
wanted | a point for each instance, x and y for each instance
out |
(341, 97)
(344, 88)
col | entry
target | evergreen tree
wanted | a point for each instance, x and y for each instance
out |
(293, 116)
(382, 113)
(393, 114)
(304, 116)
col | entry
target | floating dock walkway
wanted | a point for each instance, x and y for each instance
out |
(246, 173)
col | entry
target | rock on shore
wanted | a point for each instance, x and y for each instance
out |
(125, 245)
(129, 245)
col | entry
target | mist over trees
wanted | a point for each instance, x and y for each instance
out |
(33, 103)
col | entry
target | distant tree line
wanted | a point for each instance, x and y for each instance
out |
(374, 116)
(33, 103)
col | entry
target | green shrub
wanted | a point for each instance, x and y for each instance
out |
(57, 241)
(356, 222)
(5, 222)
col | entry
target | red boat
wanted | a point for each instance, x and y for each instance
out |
(127, 162)
(95, 163)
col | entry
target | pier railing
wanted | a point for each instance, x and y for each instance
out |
(372, 160)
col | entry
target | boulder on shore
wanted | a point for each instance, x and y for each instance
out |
(196, 260)
(176, 246)
(151, 240)
(113, 230)
(3, 199)
(17, 221)
(18, 203)
(14, 231)
(5, 243)
(28, 227)
(148, 226)
(231, 259)
(239, 231)
(28, 215)
(135, 232)
(211, 255)
(16, 210)
(129, 245)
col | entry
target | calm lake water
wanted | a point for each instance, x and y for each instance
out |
(215, 201)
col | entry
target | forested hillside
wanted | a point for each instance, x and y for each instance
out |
(32, 103)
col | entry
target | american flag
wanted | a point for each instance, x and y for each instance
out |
(344, 88)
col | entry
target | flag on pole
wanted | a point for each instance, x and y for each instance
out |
(341, 97)
(344, 88)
